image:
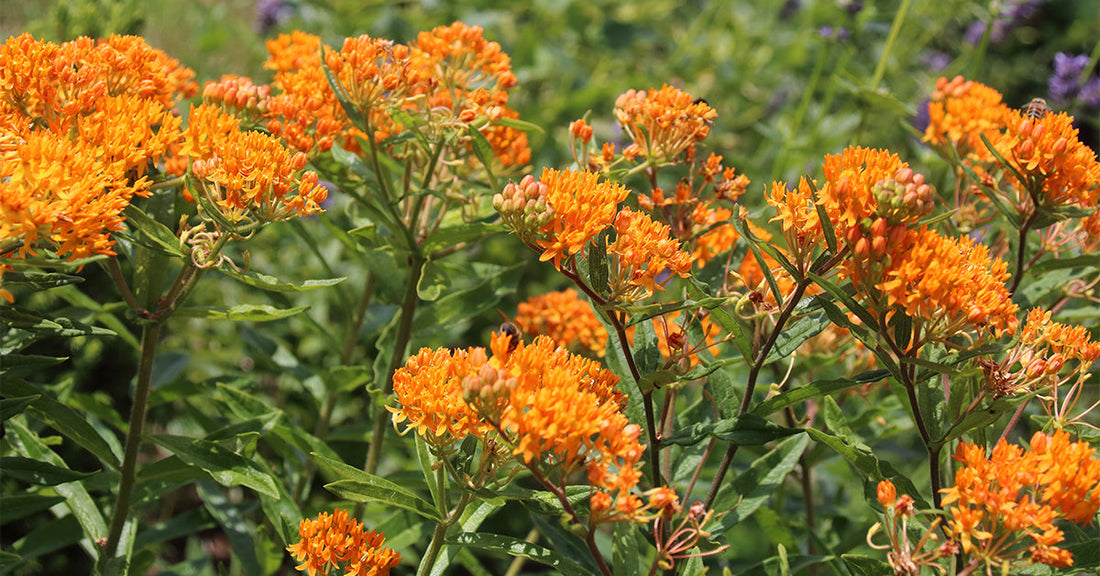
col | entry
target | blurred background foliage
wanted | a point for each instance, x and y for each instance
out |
(791, 81)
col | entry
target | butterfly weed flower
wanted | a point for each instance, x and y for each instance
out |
(240, 97)
(337, 544)
(566, 319)
(642, 251)
(249, 176)
(1003, 507)
(583, 206)
(662, 123)
(960, 112)
(1059, 170)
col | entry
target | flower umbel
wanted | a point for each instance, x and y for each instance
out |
(337, 544)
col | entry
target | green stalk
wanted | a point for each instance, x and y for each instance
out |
(880, 69)
(149, 335)
(401, 342)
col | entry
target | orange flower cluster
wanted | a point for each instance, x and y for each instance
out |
(248, 175)
(560, 413)
(662, 123)
(1047, 152)
(566, 319)
(642, 251)
(1039, 362)
(1005, 504)
(451, 78)
(583, 207)
(960, 112)
(239, 96)
(948, 286)
(337, 544)
(795, 211)
(79, 124)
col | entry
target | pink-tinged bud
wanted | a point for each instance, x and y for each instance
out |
(862, 249)
(903, 174)
(1060, 146)
(918, 179)
(498, 201)
(1038, 131)
(897, 233)
(878, 227)
(878, 246)
(910, 200)
(527, 180)
(924, 192)
(1036, 369)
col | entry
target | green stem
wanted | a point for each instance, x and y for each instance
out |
(149, 336)
(880, 69)
(1024, 229)
(398, 356)
(750, 387)
(120, 282)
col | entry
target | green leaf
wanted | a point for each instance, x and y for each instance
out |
(13, 508)
(744, 430)
(433, 281)
(754, 246)
(237, 530)
(78, 500)
(19, 365)
(11, 406)
(796, 333)
(21, 318)
(626, 550)
(38, 281)
(350, 108)
(65, 420)
(869, 466)
(866, 565)
(38, 472)
(451, 236)
(482, 148)
(49, 537)
(813, 389)
(519, 548)
(647, 354)
(753, 486)
(273, 284)
(359, 486)
(823, 218)
(380, 490)
(496, 281)
(520, 125)
(225, 466)
(242, 312)
(155, 235)
(412, 124)
(1082, 261)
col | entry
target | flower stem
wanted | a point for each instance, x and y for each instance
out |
(750, 387)
(1024, 229)
(400, 343)
(149, 335)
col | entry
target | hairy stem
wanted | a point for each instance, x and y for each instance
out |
(1020, 250)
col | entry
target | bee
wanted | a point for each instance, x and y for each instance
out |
(1036, 109)
(510, 330)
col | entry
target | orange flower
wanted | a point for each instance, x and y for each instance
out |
(338, 542)
(960, 112)
(799, 220)
(558, 412)
(642, 251)
(1015, 494)
(849, 193)
(250, 174)
(663, 123)
(948, 285)
(718, 236)
(583, 207)
(566, 319)
(1049, 154)
(429, 388)
(238, 95)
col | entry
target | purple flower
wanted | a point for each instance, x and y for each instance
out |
(1063, 85)
(1090, 93)
(937, 60)
(920, 119)
(269, 14)
(852, 6)
(790, 7)
(1013, 13)
(839, 33)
